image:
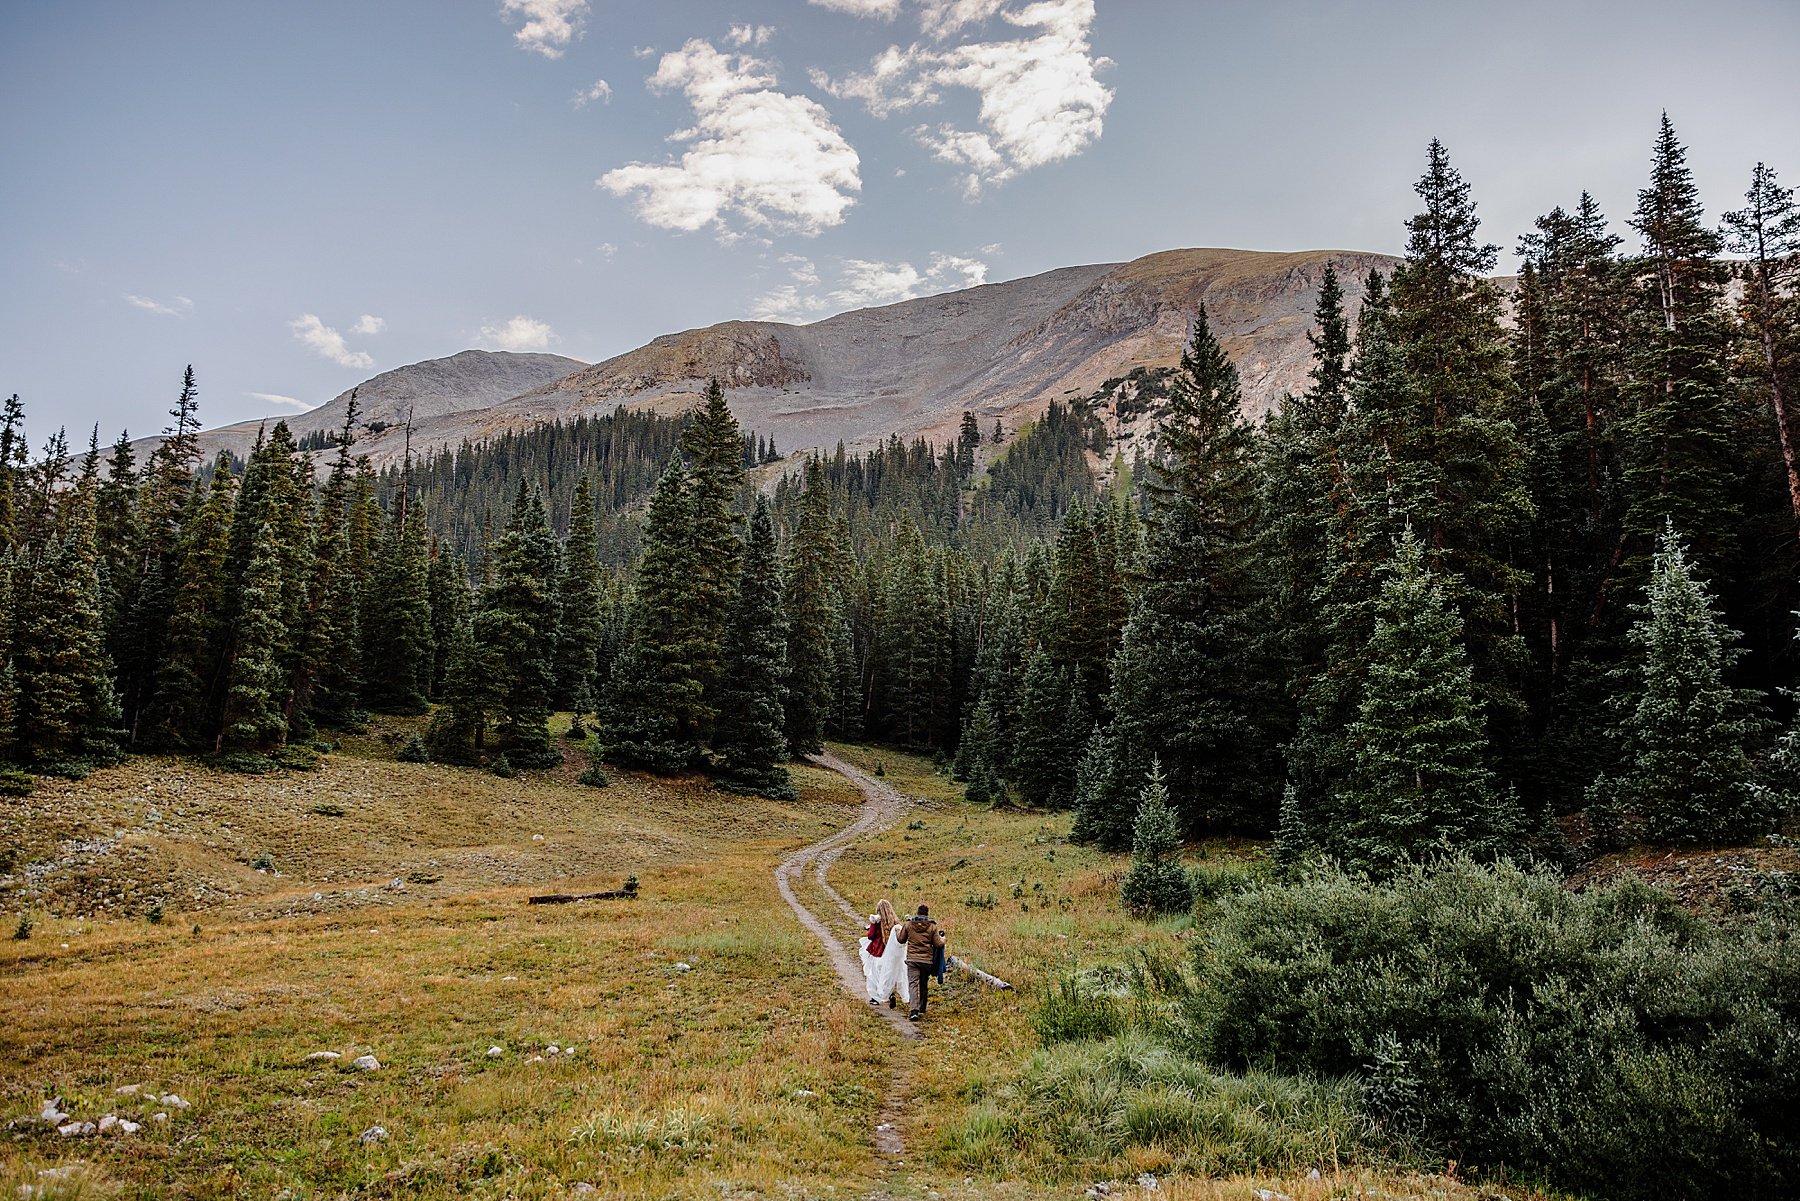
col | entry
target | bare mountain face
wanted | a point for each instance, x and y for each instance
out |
(1001, 350)
(432, 390)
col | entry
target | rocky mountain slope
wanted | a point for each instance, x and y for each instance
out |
(1002, 350)
(430, 391)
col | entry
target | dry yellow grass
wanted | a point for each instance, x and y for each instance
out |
(748, 1074)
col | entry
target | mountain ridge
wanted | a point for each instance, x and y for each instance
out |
(1001, 350)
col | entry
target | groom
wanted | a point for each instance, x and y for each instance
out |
(922, 937)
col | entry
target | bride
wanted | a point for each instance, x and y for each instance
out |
(884, 958)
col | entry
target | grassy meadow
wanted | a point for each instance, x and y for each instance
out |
(703, 1049)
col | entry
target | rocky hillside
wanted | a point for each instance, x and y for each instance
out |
(1002, 350)
(430, 391)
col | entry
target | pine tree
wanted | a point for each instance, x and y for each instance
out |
(255, 682)
(458, 729)
(1095, 816)
(1157, 884)
(447, 584)
(397, 624)
(655, 715)
(1766, 231)
(1687, 770)
(713, 444)
(814, 611)
(981, 753)
(179, 715)
(66, 706)
(1043, 768)
(12, 463)
(1681, 465)
(1193, 683)
(1419, 782)
(514, 629)
(750, 744)
(578, 607)
(329, 685)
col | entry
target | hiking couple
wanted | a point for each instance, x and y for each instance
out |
(899, 958)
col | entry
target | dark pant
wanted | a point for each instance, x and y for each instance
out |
(918, 977)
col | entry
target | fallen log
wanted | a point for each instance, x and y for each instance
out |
(627, 893)
(964, 966)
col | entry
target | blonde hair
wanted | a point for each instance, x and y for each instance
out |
(885, 912)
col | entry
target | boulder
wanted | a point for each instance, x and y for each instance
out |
(366, 1063)
(373, 1135)
(325, 1056)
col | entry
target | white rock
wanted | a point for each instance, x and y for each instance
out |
(322, 1055)
(537, 838)
(52, 1114)
(535, 1059)
(127, 1090)
(508, 979)
(1269, 1194)
(128, 1127)
(805, 1092)
(374, 1134)
(1313, 1175)
(174, 1102)
(159, 1117)
(684, 967)
(75, 1129)
(397, 884)
(582, 1188)
(1148, 1183)
(107, 1122)
(366, 1063)
(568, 1050)
(553, 1049)
(495, 1052)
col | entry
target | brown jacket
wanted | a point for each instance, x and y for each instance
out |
(921, 936)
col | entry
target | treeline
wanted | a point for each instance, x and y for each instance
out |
(1475, 578)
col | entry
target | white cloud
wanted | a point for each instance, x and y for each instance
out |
(787, 303)
(885, 9)
(520, 333)
(862, 283)
(286, 402)
(750, 35)
(755, 156)
(868, 283)
(550, 25)
(328, 342)
(606, 250)
(1040, 97)
(601, 91)
(368, 325)
(181, 306)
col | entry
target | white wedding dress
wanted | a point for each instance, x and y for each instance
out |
(886, 974)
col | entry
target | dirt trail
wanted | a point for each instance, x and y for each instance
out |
(883, 804)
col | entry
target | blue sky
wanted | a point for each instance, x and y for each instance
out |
(295, 196)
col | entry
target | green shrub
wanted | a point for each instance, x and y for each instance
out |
(155, 913)
(1214, 879)
(413, 751)
(68, 769)
(594, 776)
(1607, 1042)
(242, 763)
(14, 782)
(329, 809)
(576, 731)
(1074, 1008)
(1080, 1107)
(501, 766)
(296, 758)
(264, 862)
(22, 931)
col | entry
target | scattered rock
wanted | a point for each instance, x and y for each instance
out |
(684, 967)
(535, 1059)
(159, 1117)
(508, 979)
(1269, 1194)
(804, 1092)
(366, 1063)
(495, 1052)
(396, 885)
(76, 1130)
(107, 1122)
(127, 1126)
(1313, 1175)
(373, 1135)
(127, 1090)
(582, 1188)
(174, 1102)
(537, 838)
(1148, 1182)
(53, 1114)
(327, 1056)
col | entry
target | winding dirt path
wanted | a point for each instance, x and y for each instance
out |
(883, 804)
